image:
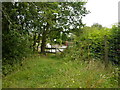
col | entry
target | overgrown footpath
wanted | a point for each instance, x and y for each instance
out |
(54, 72)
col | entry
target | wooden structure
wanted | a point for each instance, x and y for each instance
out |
(106, 51)
(54, 50)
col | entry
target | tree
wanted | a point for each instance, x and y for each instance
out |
(97, 25)
(43, 19)
(15, 33)
(60, 17)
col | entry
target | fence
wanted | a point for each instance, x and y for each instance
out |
(54, 50)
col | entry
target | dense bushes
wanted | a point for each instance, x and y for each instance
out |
(91, 44)
(114, 44)
(95, 38)
(15, 38)
(15, 47)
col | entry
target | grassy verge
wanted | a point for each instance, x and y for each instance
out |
(51, 72)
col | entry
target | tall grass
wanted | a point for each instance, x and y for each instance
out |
(51, 72)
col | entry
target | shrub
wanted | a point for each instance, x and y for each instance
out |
(91, 44)
(114, 45)
(15, 47)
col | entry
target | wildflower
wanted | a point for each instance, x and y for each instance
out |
(100, 75)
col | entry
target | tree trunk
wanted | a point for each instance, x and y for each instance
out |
(44, 37)
(43, 44)
(106, 51)
(34, 42)
(38, 41)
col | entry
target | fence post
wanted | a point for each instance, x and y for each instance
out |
(106, 51)
(51, 47)
(55, 50)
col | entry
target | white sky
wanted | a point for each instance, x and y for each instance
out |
(104, 12)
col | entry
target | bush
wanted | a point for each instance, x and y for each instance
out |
(76, 52)
(91, 44)
(114, 45)
(15, 47)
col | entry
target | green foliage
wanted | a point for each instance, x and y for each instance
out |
(15, 48)
(91, 44)
(95, 38)
(47, 18)
(97, 25)
(114, 44)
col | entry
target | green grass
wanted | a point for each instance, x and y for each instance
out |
(51, 72)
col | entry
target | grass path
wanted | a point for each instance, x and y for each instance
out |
(42, 72)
